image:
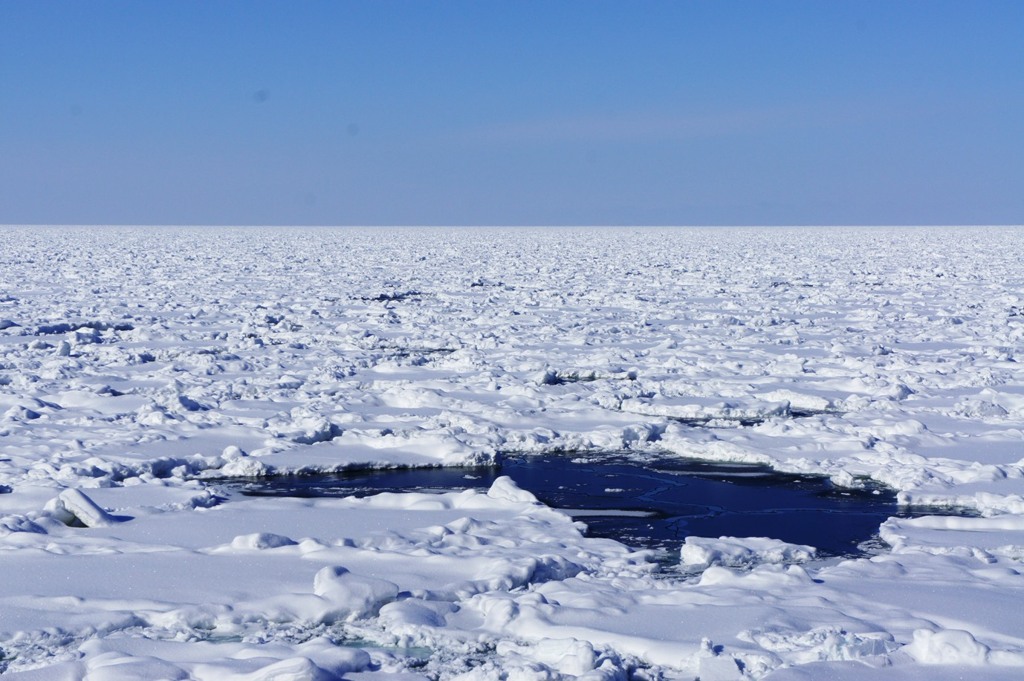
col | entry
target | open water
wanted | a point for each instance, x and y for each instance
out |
(646, 504)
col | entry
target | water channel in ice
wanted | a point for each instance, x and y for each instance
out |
(653, 503)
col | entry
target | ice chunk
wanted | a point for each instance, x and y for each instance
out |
(567, 656)
(245, 467)
(949, 646)
(72, 506)
(352, 596)
(262, 540)
(741, 552)
(506, 489)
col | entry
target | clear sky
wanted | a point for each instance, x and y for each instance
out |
(512, 112)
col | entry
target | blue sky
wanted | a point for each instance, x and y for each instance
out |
(494, 112)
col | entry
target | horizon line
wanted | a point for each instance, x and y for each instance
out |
(510, 225)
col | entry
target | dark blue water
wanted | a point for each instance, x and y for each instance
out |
(678, 497)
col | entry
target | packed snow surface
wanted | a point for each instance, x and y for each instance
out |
(140, 368)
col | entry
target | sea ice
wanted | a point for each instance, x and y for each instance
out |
(143, 368)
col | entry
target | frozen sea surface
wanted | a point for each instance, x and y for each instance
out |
(141, 368)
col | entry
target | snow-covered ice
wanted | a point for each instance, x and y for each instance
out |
(704, 552)
(140, 368)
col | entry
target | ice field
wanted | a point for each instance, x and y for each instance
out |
(144, 372)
